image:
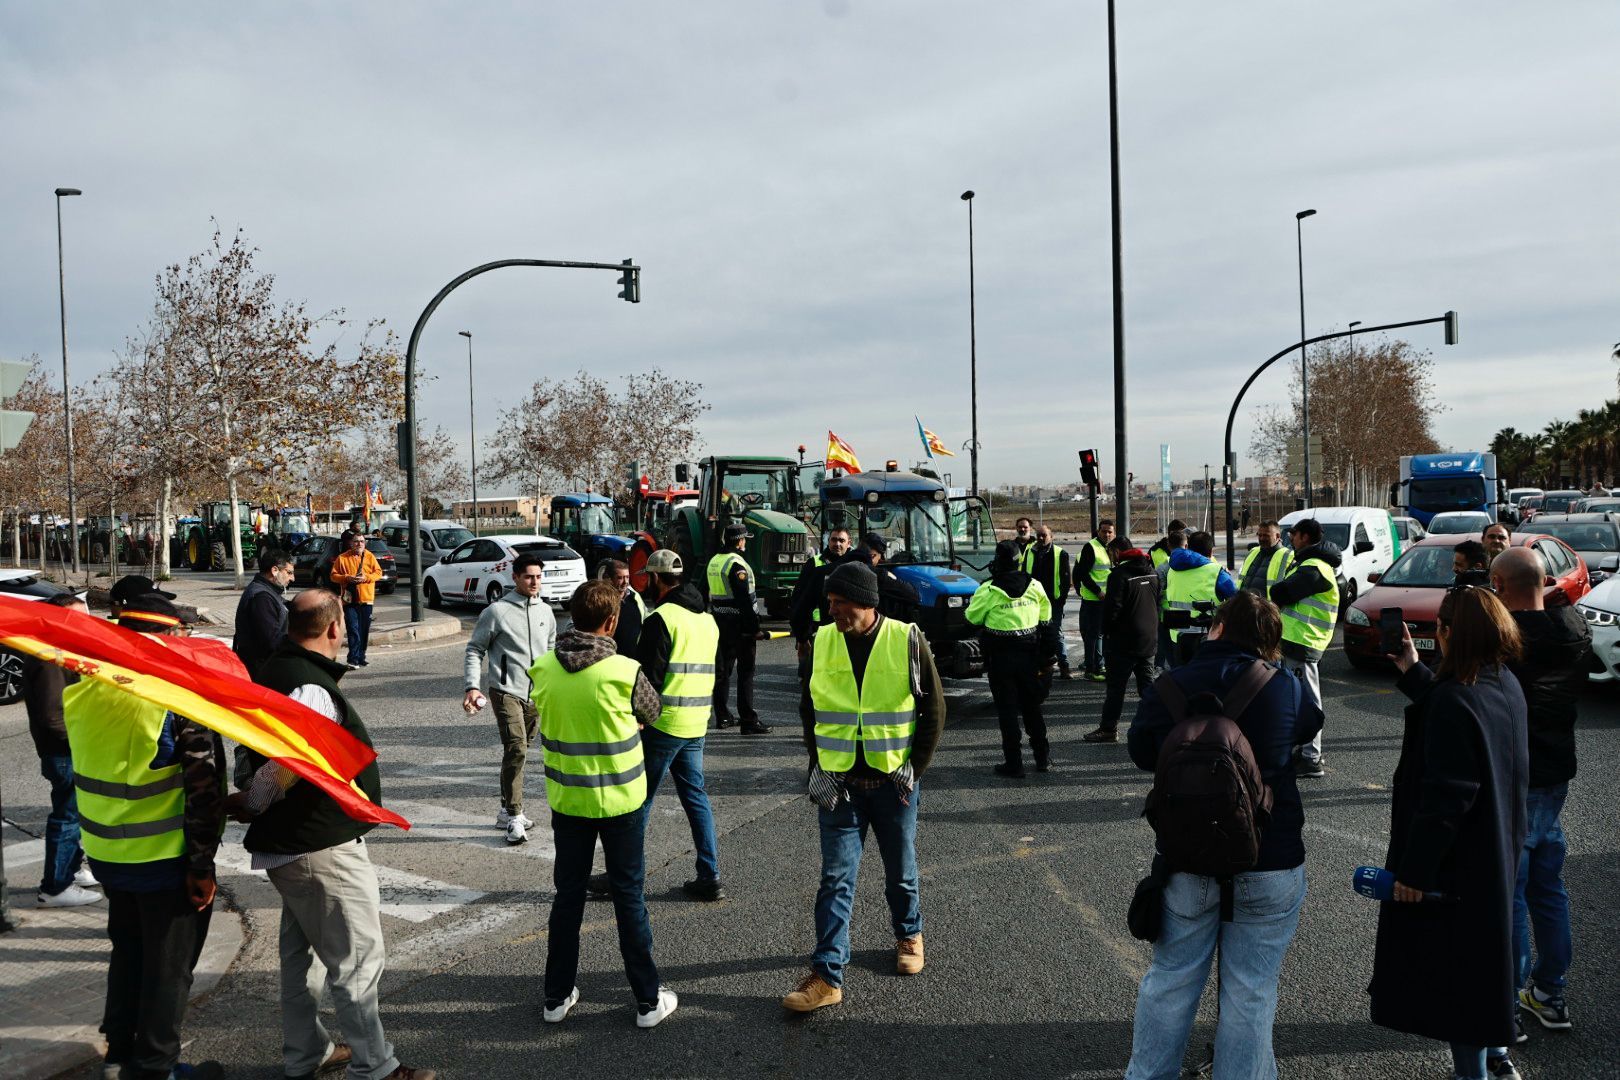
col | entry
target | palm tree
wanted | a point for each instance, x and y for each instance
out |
(1556, 439)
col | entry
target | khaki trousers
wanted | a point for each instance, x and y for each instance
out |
(518, 721)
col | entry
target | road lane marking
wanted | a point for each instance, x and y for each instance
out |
(434, 823)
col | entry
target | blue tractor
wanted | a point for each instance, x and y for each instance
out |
(912, 514)
(585, 522)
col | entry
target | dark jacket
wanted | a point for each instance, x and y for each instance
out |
(42, 686)
(1457, 822)
(261, 623)
(1303, 581)
(896, 599)
(1041, 571)
(1131, 607)
(1255, 579)
(810, 597)
(1279, 719)
(1557, 644)
(652, 651)
(628, 632)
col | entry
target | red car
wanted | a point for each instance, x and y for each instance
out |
(1418, 580)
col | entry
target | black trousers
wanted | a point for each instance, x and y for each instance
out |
(1121, 666)
(156, 940)
(736, 651)
(1014, 676)
(622, 846)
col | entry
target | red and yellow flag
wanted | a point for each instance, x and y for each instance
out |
(202, 680)
(841, 455)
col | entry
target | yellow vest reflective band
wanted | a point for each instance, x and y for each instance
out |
(720, 569)
(1098, 583)
(1028, 566)
(1310, 621)
(1191, 590)
(589, 735)
(688, 691)
(128, 811)
(1274, 571)
(878, 719)
(1006, 616)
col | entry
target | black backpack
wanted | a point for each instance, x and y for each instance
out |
(1209, 805)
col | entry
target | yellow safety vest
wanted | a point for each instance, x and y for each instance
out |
(128, 811)
(815, 612)
(1007, 616)
(1028, 566)
(688, 691)
(590, 736)
(1098, 583)
(641, 605)
(1159, 556)
(1310, 621)
(1274, 571)
(1191, 590)
(875, 720)
(719, 587)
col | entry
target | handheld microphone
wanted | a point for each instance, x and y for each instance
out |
(1378, 883)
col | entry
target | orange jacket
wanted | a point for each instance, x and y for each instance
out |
(346, 566)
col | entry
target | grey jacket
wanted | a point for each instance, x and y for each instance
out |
(511, 634)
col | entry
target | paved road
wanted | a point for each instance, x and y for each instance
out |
(1025, 885)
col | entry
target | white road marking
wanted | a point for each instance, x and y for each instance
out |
(435, 823)
(25, 853)
(429, 949)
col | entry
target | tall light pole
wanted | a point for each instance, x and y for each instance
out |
(472, 429)
(67, 391)
(1304, 377)
(1122, 475)
(973, 346)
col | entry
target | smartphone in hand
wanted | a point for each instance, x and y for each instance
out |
(1390, 622)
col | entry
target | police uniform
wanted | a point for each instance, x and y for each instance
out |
(731, 590)
(1009, 609)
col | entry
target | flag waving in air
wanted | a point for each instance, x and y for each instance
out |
(932, 446)
(841, 455)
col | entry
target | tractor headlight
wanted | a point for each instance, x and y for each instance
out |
(954, 601)
(1356, 617)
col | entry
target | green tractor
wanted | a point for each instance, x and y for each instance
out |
(208, 540)
(762, 493)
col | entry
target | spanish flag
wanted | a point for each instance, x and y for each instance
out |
(932, 446)
(841, 455)
(202, 680)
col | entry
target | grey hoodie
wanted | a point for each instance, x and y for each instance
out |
(512, 633)
(577, 650)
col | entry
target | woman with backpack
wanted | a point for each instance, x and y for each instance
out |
(1443, 966)
(1238, 883)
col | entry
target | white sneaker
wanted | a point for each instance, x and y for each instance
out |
(652, 1017)
(72, 896)
(506, 817)
(84, 878)
(515, 833)
(555, 1015)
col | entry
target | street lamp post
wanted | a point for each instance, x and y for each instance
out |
(67, 390)
(472, 429)
(973, 346)
(1122, 475)
(1304, 375)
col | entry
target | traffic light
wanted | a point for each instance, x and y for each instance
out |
(630, 282)
(1451, 328)
(1088, 467)
(13, 423)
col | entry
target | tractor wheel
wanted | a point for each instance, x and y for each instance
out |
(219, 555)
(431, 592)
(643, 548)
(196, 553)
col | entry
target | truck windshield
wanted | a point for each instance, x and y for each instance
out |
(294, 522)
(1440, 493)
(767, 490)
(915, 530)
(596, 519)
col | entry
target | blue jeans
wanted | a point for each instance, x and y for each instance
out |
(1541, 900)
(1265, 914)
(357, 621)
(62, 851)
(843, 836)
(1053, 643)
(575, 839)
(1467, 1061)
(683, 760)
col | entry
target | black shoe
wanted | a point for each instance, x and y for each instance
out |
(203, 1070)
(597, 888)
(705, 889)
(1064, 672)
(1501, 1068)
(365, 663)
(1012, 769)
(1044, 765)
(723, 721)
(754, 727)
(1101, 735)
(1306, 769)
(352, 666)
(1520, 1036)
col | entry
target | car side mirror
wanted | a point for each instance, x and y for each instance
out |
(1372, 579)
(444, 558)
(1610, 563)
(1363, 546)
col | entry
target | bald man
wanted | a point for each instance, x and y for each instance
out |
(1552, 670)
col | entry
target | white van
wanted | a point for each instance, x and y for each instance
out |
(439, 538)
(1362, 533)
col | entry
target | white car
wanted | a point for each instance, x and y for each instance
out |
(1601, 607)
(1365, 540)
(1459, 522)
(480, 570)
(24, 584)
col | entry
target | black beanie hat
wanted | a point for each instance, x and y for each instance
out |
(1008, 556)
(855, 582)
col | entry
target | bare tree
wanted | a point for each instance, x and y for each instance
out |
(33, 473)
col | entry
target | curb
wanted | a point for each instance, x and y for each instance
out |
(432, 628)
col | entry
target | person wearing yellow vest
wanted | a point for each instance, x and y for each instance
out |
(151, 794)
(1009, 609)
(1091, 582)
(1159, 554)
(873, 710)
(1048, 564)
(1309, 599)
(677, 653)
(1267, 562)
(730, 584)
(593, 704)
(356, 572)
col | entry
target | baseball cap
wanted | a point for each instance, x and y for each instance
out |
(664, 561)
(130, 586)
(737, 531)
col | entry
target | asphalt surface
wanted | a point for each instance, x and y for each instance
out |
(1024, 883)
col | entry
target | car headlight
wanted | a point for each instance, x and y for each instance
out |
(1356, 617)
(953, 601)
(1597, 616)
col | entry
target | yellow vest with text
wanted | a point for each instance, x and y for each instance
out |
(1007, 616)
(1094, 588)
(1191, 590)
(128, 811)
(687, 696)
(1310, 621)
(875, 720)
(589, 736)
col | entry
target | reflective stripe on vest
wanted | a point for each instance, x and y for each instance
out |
(1310, 621)
(589, 736)
(877, 719)
(1028, 567)
(1012, 616)
(687, 695)
(1098, 583)
(128, 811)
(719, 586)
(1191, 590)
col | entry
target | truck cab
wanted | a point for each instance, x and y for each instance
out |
(1432, 484)
(585, 522)
(761, 492)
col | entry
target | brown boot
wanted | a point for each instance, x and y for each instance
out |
(405, 1072)
(908, 955)
(812, 993)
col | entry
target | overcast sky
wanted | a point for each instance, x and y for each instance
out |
(788, 174)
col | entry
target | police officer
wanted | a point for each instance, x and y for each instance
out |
(1195, 585)
(1010, 608)
(1091, 581)
(1266, 563)
(1309, 599)
(1048, 564)
(731, 602)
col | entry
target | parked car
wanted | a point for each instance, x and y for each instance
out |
(312, 562)
(480, 570)
(439, 538)
(1408, 530)
(1594, 537)
(1418, 582)
(24, 584)
(1362, 533)
(1597, 505)
(1455, 522)
(1601, 607)
(1529, 507)
(1560, 502)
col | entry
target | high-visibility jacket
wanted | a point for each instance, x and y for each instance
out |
(1159, 555)
(1275, 571)
(1027, 565)
(687, 695)
(129, 812)
(1097, 584)
(1004, 616)
(815, 612)
(875, 720)
(719, 575)
(641, 605)
(1310, 621)
(589, 736)
(1191, 590)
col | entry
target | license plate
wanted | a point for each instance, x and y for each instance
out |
(1422, 643)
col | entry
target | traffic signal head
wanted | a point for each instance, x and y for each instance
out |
(1088, 467)
(630, 282)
